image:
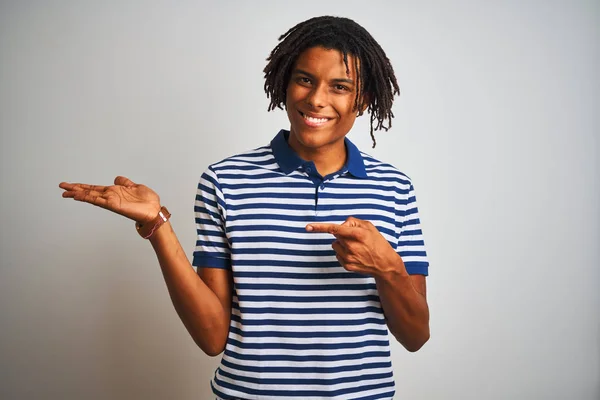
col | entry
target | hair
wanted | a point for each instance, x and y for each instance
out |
(376, 81)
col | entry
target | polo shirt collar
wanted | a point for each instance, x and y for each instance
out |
(289, 161)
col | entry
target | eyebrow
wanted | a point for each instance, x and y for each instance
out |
(336, 80)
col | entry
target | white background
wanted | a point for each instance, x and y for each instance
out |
(497, 125)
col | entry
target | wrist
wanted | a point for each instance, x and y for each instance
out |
(392, 269)
(147, 229)
(151, 215)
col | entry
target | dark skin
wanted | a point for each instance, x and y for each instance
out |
(320, 88)
(202, 300)
(321, 108)
(360, 247)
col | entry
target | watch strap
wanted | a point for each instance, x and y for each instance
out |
(147, 230)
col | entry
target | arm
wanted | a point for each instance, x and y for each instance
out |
(361, 248)
(404, 301)
(203, 300)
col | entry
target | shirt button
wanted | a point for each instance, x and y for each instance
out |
(309, 170)
(322, 187)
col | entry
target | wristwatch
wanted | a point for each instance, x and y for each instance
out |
(150, 227)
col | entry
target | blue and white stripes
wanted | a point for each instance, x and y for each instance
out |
(302, 326)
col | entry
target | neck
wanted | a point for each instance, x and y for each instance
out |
(327, 159)
(328, 163)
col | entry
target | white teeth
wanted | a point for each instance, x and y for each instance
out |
(315, 120)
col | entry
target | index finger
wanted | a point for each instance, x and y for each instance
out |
(334, 229)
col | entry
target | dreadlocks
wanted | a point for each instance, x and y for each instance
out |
(375, 77)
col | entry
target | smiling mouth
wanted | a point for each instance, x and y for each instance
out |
(313, 121)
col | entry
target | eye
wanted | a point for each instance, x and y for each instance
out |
(341, 88)
(303, 80)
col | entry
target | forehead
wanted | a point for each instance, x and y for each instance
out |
(325, 62)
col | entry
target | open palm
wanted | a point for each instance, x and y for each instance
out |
(132, 200)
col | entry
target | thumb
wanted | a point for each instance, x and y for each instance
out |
(352, 222)
(123, 181)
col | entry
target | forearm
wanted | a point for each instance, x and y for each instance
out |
(196, 304)
(406, 310)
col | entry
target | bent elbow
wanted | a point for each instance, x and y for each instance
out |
(211, 350)
(414, 344)
(418, 344)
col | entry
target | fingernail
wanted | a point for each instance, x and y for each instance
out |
(309, 228)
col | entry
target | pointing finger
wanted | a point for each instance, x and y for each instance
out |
(334, 229)
(323, 228)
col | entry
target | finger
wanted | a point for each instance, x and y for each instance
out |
(322, 228)
(123, 181)
(87, 196)
(338, 247)
(81, 186)
(91, 197)
(339, 231)
(348, 265)
(340, 260)
(351, 267)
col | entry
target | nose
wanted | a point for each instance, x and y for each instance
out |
(317, 97)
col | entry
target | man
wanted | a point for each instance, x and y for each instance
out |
(307, 248)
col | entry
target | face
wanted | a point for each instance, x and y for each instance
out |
(320, 102)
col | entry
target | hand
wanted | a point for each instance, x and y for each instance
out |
(360, 247)
(137, 202)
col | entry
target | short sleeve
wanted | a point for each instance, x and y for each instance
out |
(411, 246)
(212, 247)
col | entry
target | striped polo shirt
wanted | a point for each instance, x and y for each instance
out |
(302, 327)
